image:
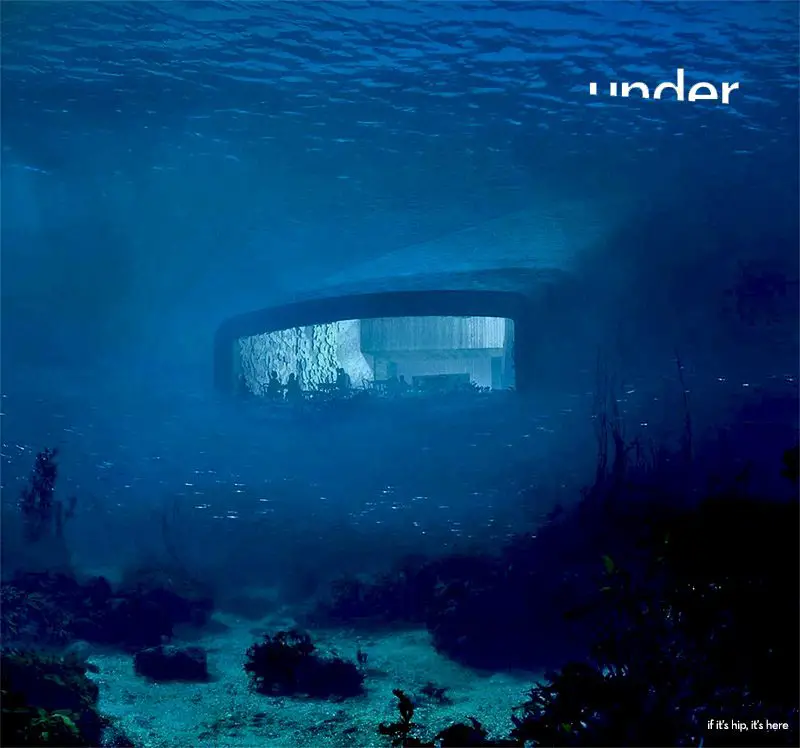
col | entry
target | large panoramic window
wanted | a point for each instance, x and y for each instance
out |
(413, 355)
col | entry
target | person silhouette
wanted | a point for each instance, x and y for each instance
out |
(274, 386)
(342, 380)
(293, 391)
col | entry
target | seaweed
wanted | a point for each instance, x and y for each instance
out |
(37, 541)
(435, 693)
(400, 731)
(469, 734)
(703, 623)
(42, 514)
(53, 608)
(707, 629)
(287, 664)
(48, 700)
(682, 608)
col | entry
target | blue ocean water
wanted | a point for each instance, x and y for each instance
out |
(166, 165)
(169, 165)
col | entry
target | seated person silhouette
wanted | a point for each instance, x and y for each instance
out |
(293, 391)
(274, 386)
(392, 385)
(342, 380)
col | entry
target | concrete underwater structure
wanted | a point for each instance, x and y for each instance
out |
(374, 336)
(483, 295)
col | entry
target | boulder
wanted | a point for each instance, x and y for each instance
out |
(168, 662)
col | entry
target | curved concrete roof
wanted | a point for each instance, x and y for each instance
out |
(548, 238)
(499, 267)
(490, 266)
(517, 251)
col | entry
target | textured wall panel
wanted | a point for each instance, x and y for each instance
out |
(312, 353)
(406, 334)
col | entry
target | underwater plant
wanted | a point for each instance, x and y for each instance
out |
(404, 594)
(42, 514)
(47, 700)
(517, 608)
(46, 608)
(469, 734)
(400, 731)
(708, 628)
(36, 499)
(531, 605)
(38, 608)
(38, 539)
(680, 607)
(703, 623)
(435, 693)
(287, 663)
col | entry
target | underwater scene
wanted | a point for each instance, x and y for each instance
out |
(399, 373)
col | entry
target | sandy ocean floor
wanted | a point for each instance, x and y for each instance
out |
(224, 712)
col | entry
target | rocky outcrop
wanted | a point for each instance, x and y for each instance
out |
(168, 662)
